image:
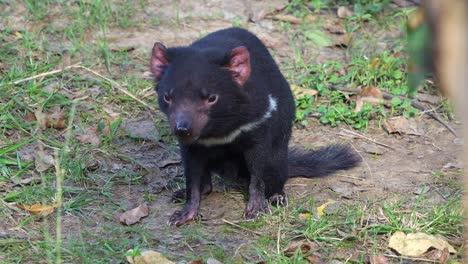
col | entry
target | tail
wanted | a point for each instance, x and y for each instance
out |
(321, 162)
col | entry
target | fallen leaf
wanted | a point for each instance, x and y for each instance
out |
(293, 19)
(43, 161)
(287, 18)
(198, 261)
(369, 94)
(38, 209)
(335, 27)
(27, 153)
(436, 254)
(401, 125)
(304, 245)
(314, 259)
(149, 257)
(89, 137)
(321, 208)
(452, 165)
(304, 216)
(373, 149)
(299, 91)
(26, 181)
(135, 215)
(378, 259)
(416, 244)
(54, 119)
(213, 261)
(422, 190)
(258, 10)
(344, 11)
(444, 256)
(142, 129)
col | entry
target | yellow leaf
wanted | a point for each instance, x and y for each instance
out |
(38, 209)
(149, 257)
(304, 216)
(299, 91)
(323, 206)
(416, 244)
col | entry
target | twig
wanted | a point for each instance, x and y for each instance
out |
(241, 227)
(367, 138)
(116, 85)
(78, 66)
(414, 104)
(44, 74)
(278, 236)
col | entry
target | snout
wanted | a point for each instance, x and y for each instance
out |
(183, 127)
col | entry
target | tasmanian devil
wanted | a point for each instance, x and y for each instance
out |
(229, 106)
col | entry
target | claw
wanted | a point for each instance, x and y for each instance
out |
(183, 216)
(278, 199)
(255, 208)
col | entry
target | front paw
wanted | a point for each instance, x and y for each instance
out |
(278, 199)
(255, 207)
(182, 216)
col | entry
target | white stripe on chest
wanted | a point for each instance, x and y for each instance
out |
(273, 105)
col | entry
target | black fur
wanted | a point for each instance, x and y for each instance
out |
(217, 85)
(321, 162)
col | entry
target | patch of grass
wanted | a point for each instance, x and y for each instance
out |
(368, 225)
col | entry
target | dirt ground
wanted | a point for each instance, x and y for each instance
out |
(394, 166)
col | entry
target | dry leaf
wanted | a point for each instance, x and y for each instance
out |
(198, 261)
(344, 11)
(26, 181)
(213, 261)
(416, 244)
(299, 91)
(379, 259)
(322, 207)
(43, 161)
(54, 119)
(135, 215)
(143, 129)
(335, 27)
(369, 94)
(436, 254)
(293, 19)
(304, 245)
(38, 209)
(314, 259)
(401, 125)
(304, 216)
(90, 137)
(149, 257)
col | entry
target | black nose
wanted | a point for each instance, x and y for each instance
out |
(183, 128)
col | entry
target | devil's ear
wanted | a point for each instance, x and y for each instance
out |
(239, 65)
(159, 60)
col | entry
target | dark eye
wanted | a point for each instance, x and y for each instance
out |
(167, 98)
(212, 98)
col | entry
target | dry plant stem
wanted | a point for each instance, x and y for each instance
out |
(43, 74)
(241, 227)
(414, 104)
(278, 236)
(367, 138)
(116, 85)
(78, 66)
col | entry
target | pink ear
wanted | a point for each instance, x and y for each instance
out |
(239, 65)
(158, 60)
